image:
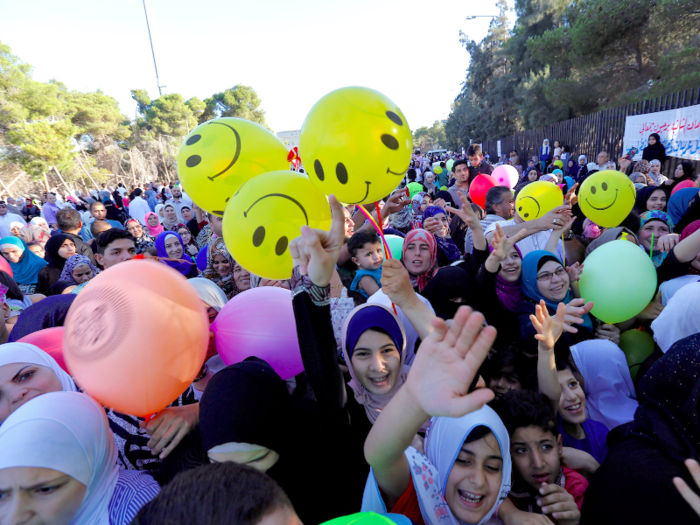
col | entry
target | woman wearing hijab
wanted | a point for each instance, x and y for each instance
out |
(61, 441)
(531, 175)
(35, 233)
(170, 223)
(447, 249)
(58, 250)
(419, 256)
(190, 244)
(429, 184)
(450, 288)
(47, 313)
(643, 167)
(220, 268)
(573, 168)
(545, 156)
(684, 171)
(25, 264)
(159, 213)
(655, 149)
(142, 240)
(680, 318)
(78, 270)
(419, 203)
(644, 460)
(153, 225)
(171, 251)
(679, 202)
(113, 213)
(651, 198)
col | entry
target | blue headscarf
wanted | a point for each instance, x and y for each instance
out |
(531, 263)
(26, 271)
(678, 203)
(657, 257)
(182, 266)
(569, 182)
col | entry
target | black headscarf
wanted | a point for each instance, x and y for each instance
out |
(657, 151)
(52, 246)
(47, 313)
(643, 195)
(112, 211)
(450, 288)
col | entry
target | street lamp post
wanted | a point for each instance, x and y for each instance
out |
(148, 26)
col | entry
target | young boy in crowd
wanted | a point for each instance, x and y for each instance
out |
(541, 484)
(367, 253)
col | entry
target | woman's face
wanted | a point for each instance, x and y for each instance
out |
(241, 277)
(135, 228)
(12, 254)
(656, 167)
(185, 234)
(511, 266)
(376, 362)
(82, 273)
(15, 231)
(418, 257)
(221, 265)
(173, 247)
(21, 382)
(474, 483)
(153, 220)
(67, 249)
(657, 200)
(654, 227)
(678, 173)
(532, 175)
(170, 213)
(444, 225)
(640, 179)
(581, 162)
(427, 201)
(553, 281)
(37, 250)
(430, 178)
(39, 495)
(652, 141)
(261, 459)
(186, 214)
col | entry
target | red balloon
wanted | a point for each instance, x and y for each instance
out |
(50, 340)
(681, 185)
(5, 266)
(479, 187)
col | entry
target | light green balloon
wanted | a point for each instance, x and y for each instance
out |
(395, 243)
(620, 279)
(362, 518)
(449, 164)
(637, 346)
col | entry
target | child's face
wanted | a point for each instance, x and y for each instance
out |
(511, 266)
(376, 362)
(474, 482)
(370, 256)
(536, 455)
(427, 201)
(572, 403)
(505, 382)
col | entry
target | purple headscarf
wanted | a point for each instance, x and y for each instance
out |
(181, 266)
(509, 294)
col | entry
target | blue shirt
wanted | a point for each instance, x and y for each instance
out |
(86, 234)
(375, 274)
(594, 443)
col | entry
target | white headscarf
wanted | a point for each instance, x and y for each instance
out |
(610, 395)
(11, 353)
(680, 318)
(582, 157)
(67, 432)
(545, 145)
(209, 292)
(443, 441)
(39, 221)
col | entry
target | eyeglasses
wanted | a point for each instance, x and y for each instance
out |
(546, 276)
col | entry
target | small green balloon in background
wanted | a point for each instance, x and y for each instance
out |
(395, 243)
(449, 164)
(370, 518)
(620, 279)
(637, 346)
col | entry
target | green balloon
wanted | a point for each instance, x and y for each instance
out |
(395, 243)
(620, 279)
(637, 346)
(361, 518)
(413, 188)
(449, 164)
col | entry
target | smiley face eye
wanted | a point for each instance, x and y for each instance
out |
(281, 246)
(342, 173)
(604, 186)
(259, 236)
(319, 170)
(390, 142)
(193, 160)
(593, 190)
(193, 139)
(394, 118)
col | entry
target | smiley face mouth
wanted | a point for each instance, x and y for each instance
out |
(306, 217)
(235, 155)
(366, 193)
(537, 203)
(388, 170)
(606, 207)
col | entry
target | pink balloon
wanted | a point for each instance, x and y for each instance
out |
(479, 187)
(506, 175)
(260, 322)
(50, 340)
(681, 185)
(5, 266)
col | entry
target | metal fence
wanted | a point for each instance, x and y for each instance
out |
(589, 134)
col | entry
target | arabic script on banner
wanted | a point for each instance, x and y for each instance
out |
(679, 130)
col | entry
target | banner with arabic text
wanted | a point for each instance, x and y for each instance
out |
(679, 130)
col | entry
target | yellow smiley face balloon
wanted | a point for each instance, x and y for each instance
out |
(536, 199)
(356, 145)
(221, 154)
(607, 198)
(266, 214)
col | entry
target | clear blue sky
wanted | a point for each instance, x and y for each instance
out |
(291, 53)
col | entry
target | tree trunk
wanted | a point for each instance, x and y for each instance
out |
(88, 175)
(131, 161)
(8, 186)
(61, 178)
(46, 182)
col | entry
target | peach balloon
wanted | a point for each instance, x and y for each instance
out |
(136, 337)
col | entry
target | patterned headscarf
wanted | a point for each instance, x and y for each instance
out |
(227, 282)
(417, 214)
(145, 241)
(642, 166)
(447, 246)
(657, 257)
(420, 281)
(72, 262)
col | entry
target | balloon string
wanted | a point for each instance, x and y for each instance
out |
(380, 231)
(143, 257)
(387, 253)
(651, 251)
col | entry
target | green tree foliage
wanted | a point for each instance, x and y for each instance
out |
(169, 114)
(427, 137)
(239, 101)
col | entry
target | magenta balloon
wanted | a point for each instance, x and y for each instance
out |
(681, 185)
(260, 323)
(506, 175)
(5, 266)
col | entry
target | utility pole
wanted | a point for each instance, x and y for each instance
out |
(150, 39)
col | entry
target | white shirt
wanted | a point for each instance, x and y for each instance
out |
(138, 208)
(536, 241)
(6, 220)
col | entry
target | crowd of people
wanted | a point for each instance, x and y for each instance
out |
(465, 382)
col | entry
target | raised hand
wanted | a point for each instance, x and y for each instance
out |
(466, 213)
(446, 364)
(432, 225)
(394, 204)
(396, 283)
(440, 203)
(549, 329)
(502, 244)
(574, 271)
(555, 217)
(575, 311)
(571, 198)
(667, 242)
(316, 251)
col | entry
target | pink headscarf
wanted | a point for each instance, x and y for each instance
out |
(418, 234)
(154, 230)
